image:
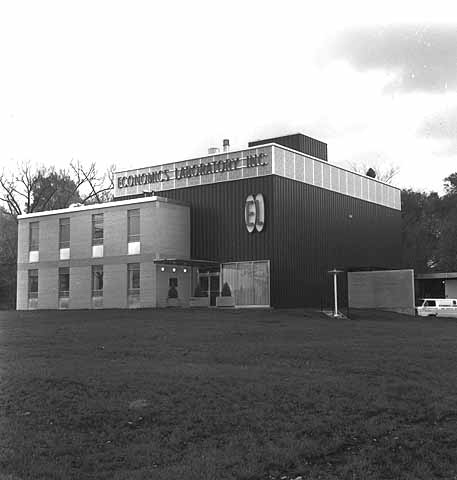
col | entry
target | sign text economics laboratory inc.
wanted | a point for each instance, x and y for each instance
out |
(196, 170)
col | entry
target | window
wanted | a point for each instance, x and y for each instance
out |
(133, 225)
(249, 282)
(97, 280)
(64, 282)
(33, 283)
(34, 236)
(133, 278)
(97, 229)
(64, 233)
(430, 303)
(173, 290)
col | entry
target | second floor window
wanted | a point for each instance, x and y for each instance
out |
(33, 284)
(97, 280)
(133, 225)
(34, 236)
(64, 233)
(97, 229)
(64, 282)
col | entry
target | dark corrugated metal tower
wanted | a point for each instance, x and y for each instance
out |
(299, 142)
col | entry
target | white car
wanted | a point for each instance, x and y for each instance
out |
(437, 307)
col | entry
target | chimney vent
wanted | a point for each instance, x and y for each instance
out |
(226, 144)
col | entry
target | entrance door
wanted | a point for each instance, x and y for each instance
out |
(213, 289)
(209, 282)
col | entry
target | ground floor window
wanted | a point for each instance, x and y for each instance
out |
(97, 280)
(32, 290)
(249, 282)
(172, 287)
(133, 285)
(133, 279)
(33, 284)
(64, 282)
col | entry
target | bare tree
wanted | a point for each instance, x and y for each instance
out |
(32, 189)
(385, 174)
(98, 187)
(16, 189)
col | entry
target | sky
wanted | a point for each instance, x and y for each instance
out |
(141, 83)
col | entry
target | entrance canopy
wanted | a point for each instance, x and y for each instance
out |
(188, 262)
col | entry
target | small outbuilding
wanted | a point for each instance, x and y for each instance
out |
(436, 285)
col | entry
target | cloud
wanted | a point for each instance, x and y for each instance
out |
(419, 58)
(441, 126)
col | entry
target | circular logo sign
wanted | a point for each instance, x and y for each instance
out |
(254, 213)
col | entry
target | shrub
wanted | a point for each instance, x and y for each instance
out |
(172, 292)
(226, 292)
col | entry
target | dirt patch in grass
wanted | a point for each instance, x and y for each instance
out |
(215, 395)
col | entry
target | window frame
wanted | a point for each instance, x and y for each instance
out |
(97, 292)
(63, 293)
(133, 214)
(131, 268)
(34, 226)
(31, 274)
(64, 243)
(98, 240)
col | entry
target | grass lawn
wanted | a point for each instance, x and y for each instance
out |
(206, 395)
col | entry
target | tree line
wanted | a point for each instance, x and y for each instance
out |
(429, 229)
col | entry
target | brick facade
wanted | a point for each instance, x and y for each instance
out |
(164, 230)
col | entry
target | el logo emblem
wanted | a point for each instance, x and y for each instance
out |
(254, 213)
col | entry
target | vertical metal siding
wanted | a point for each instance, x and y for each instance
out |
(307, 232)
(218, 231)
(313, 234)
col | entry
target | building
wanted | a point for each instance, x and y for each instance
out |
(88, 257)
(269, 220)
(436, 285)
